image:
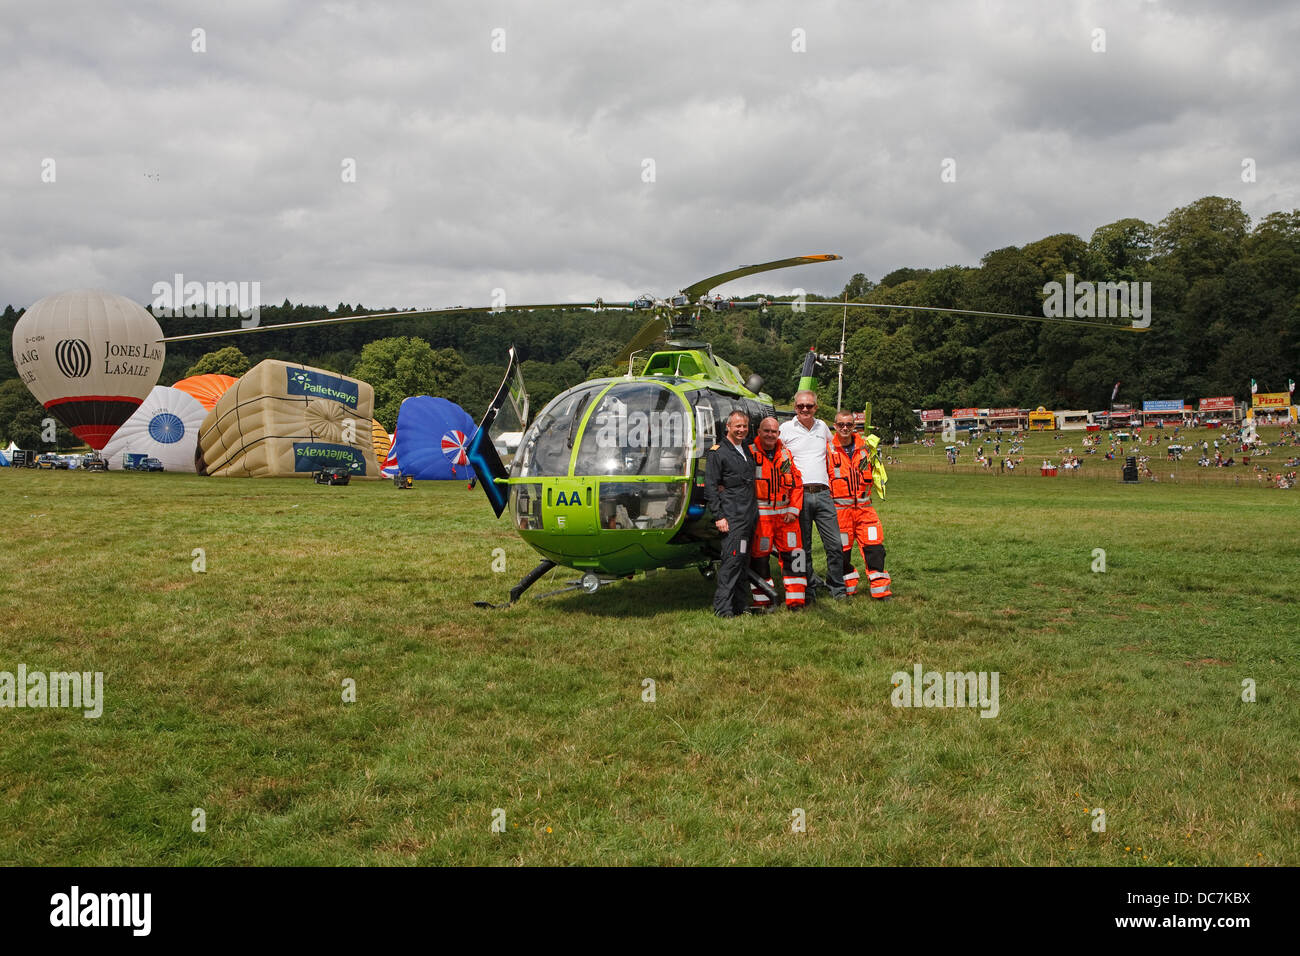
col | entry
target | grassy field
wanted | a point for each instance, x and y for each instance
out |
(1120, 690)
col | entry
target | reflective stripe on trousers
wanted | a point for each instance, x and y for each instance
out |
(879, 583)
(795, 590)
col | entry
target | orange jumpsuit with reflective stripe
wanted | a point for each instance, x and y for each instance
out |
(778, 486)
(849, 470)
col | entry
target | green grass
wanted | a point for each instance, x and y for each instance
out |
(1119, 690)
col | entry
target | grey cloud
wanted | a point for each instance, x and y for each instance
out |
(523, 169)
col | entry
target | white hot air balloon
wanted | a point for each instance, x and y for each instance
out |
(90, 358)
(165, 426)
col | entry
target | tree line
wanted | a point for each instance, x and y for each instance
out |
(1225, 301)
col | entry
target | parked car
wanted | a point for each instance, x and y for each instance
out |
(94, 462)
(136, 462)
(333, 475)
(51, 461)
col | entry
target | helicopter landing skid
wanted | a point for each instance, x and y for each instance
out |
(589, 582)
(527, 581)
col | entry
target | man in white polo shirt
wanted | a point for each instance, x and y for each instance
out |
(807, 436)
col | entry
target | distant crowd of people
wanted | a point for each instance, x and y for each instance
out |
(1234, 445)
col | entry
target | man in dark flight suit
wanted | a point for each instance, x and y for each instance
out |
(729, 491)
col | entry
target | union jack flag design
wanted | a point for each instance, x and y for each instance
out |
(453, 446)
(390, 469)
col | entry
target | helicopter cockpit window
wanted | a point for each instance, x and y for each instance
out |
(546, 449)
(641, 505)
(639, 428)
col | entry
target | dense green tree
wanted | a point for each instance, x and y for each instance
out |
(226, 361)
(22, 421)
(885, 371)
(400, 367)
(899, 276)
(7, 323)
(1203, 237)
(1057, 255)
(1120, 250)
(857, 287)
(475, 388)
(1008, 281)
(592, 352)
(341, 362)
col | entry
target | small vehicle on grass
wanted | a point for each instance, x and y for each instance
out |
(51, 462)
(403, 481)
(94, 462)
(332, 475)
(137, 462)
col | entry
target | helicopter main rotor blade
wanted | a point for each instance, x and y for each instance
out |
(744, 303)
(416, 314)
(647, 334)
(697, 289)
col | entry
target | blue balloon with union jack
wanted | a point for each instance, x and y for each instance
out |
(431, 440)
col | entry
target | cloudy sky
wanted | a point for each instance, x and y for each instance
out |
(774, 129)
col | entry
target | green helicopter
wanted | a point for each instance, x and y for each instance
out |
(609, 479)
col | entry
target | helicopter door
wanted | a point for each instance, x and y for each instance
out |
(567, 506)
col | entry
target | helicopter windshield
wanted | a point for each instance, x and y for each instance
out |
(637, 429)
(544, 452)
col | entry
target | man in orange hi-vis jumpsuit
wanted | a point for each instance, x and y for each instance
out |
(848, 465)
(779, 489)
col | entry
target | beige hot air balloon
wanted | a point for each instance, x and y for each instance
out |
(90, 358)
(285, 420)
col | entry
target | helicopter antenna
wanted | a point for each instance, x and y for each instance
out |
(844, 322)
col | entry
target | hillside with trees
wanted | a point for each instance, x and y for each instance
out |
(1226, 309)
